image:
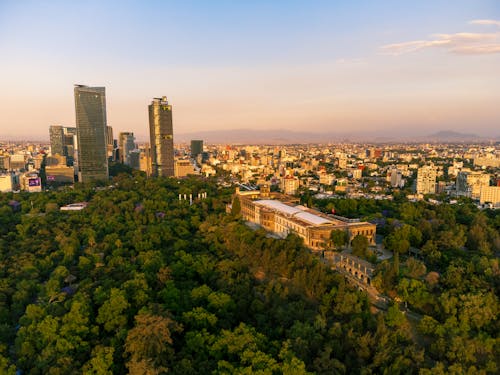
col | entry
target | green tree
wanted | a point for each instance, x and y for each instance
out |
(149, 344)
(112, 314)
(236, 206)
(359, 245)
(338, 237)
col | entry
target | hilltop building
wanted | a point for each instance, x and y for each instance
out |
(281, 215)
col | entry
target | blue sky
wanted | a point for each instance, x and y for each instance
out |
(351, 66)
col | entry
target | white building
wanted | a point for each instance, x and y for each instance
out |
(426, 179)
(6, 183)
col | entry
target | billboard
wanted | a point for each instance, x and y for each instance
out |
(34, 182)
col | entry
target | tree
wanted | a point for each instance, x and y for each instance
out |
(338, 237)
(101, 361)
(112, 313)
(415, 268)
(236, 207)
(149, 344)
(359, 245)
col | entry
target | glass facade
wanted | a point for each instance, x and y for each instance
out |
(196, 148)
(90, 110)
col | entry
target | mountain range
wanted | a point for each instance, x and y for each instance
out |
(281, 136)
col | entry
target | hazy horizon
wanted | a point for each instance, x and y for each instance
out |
(385, 68)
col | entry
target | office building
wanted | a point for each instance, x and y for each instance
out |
(62, 142)
(90, 110)
(196, 148)
(126, 144)
(4, 162)
(56, 140)
(290, 185)
(70, 144)
(110, 144)
(162, 139)
(426, 179)
(491, 195)
(184, 168)
(469, 183)
(134, 159)
(145, 159)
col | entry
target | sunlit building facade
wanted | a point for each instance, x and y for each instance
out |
(161, 136)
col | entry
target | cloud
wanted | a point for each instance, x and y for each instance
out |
(458, 43)
(485, 22)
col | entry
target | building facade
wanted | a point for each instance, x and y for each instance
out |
(469, 184)
(110, 143)
(290, 185)
(279, 214)
(90, 110)
(161, 136)
(184, 168)
(62, 142)
(426, 180)
(491, 195)
(196, 148)
(56, 139)
(126, 143)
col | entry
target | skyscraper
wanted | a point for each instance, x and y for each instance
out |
(109, 143)
(196, 147)
(126, 144)
(161, 135)
(56, 140)
(62, 142)
(90, 111)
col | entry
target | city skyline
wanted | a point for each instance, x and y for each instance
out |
(389, 68)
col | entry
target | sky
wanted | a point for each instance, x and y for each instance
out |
(374, 67)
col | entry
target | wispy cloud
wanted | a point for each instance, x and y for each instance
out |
(459, 43)
(485, 22)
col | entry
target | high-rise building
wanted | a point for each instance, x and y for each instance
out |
(162, 139)
(110, 143)
(69, 146)
(469, 183)
(56, 139)
(126, 144)
(90, 111)
(196, 148)
(426, 179)
(145, 159)
(62, 141)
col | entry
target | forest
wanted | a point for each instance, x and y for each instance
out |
(141, 282)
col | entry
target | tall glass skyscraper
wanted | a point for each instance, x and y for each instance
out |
(90, 110)
(162, 139)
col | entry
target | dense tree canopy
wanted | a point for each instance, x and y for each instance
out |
(142, 283)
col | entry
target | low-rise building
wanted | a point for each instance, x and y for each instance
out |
(490, 194)
(281, 215)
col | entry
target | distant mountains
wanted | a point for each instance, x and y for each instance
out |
(282, 136)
